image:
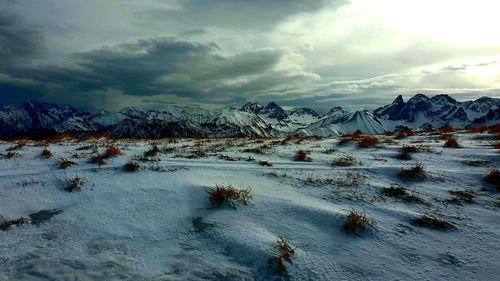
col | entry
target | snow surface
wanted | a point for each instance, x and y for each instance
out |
(139, 226)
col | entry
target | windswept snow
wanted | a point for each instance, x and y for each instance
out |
(157, 223)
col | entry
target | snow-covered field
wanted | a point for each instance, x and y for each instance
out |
(157, 223)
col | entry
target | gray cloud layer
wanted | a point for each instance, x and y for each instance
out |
(105, 55)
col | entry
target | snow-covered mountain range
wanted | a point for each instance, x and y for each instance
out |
(253, 119)
(422, 111)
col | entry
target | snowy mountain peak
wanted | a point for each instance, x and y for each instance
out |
(398, 100)
(252, 107)
(304, 111)
(273, 110)
(444, 99)
(418, 98)
(337, 110)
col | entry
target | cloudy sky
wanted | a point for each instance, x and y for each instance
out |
(97, 54)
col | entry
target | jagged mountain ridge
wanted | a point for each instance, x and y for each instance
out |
(437, 111)
(252, 119)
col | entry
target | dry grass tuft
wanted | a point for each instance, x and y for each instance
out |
(329, 150)
(265, 163)
(112, 151)
(229, 195)
(153, 152)
(281, 253)
(98, 159)
(402, 193)
(404, 135)
(350, 137)
(414, 172)
(302, 155)
(433, 221)
(404, 155)
(6, 224)
(409, 149)
(344, 161)
(74, 184)
(493, 177)
(131, 166)
(11, 155)
(258, 150)
(46, 153)
(368, 141)
(16, 147)
(66, 163)
(462, 196)
(395, 191)
(357, 222)
(452, 142)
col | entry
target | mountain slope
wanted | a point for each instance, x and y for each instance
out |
(43, 118)
(340, 122)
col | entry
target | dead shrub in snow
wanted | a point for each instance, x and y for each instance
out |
(433, 221)
(368, 141)
(98, 159)
(46, 153)
(66, 163)
(281, 253)
(258, 150)
(153, 152)
(395, 191)
(414, 172)
(452, 142)
(74, 184)
(403, 155)
(350, 179)
(229, 195)
(5, 224)
(302, 155)
(11, 155)
(265, 163)
(402, 193)
(16, 147)
(87, 147)
(329, 150)
(404, 134)
(493, 177)
(462, 196)
(131, 166)
(357, 222)
(350, 137)
(409, 149)
(344, 161)
(112, 151)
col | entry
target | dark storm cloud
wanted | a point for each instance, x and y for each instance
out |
(156, 67)
(18, 42)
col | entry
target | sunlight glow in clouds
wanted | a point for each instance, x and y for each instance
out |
(227, 52)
